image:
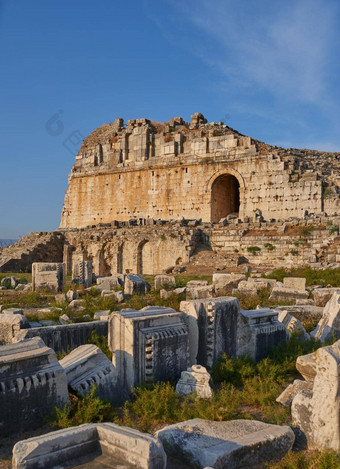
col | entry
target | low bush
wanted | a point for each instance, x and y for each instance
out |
(101, 342)
(88, 409)
(253, 249)
(312, 276)
(308, 460)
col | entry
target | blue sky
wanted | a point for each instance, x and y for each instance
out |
(268, 69)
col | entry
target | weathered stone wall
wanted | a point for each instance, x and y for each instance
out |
(197, 170)
(129, 247)
(143, 250)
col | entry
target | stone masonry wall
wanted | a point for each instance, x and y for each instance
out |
(197, 170)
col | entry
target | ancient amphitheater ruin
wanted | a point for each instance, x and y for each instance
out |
(146, 197)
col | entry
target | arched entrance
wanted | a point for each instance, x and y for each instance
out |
(225, 197)
(145, 258)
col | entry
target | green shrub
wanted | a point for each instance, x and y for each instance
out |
(306, 230)
(334, 229)
(312, 276)
(101, 342)
(294, 252)
(88, 409)
(233, 370)
(308, 460)
(253, 249)
(269, 246)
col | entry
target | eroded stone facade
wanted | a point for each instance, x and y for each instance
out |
(192, 170)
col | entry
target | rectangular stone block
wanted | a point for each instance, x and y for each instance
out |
(65, 337)
(297, 283)
(32, 383)
(48, 276)
(148, 345)
(258, 331)
(82, 273)
(287, 294)
(100, 445)
(87, 366)
(212, 325)
(10, 326)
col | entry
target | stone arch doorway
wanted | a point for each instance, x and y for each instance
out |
(145, 258)
(225, 197)
(120, 259)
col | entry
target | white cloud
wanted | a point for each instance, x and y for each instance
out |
(281, 47)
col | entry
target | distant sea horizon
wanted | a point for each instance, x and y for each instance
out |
(4, 242)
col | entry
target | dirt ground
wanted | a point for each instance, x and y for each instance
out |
(6, 444)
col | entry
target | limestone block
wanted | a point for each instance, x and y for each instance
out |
(197, 283)
(307, 310)
(287, 396)
(161, 280)
(23, 287)
(90, 445)
(224, 283)
(63, 338)
(292, 324)
(196, 379)
(164, 294)
(147, 345)
(252, 287)
(329, 325)
(82, 272)
(48, 276)
(76, 304)
(308, 301)
(13, 311)
(297, 283)
(212, 325)
(10, 326)
(196, 293)
(322, 296)
(287, 294)
(86, 366)
(71, 295)
(64, 319)
(306, 366)
(258, 331)
(32, 383)
(60, 298)
(317, 412)
(108, 283)
(233, 444)
(136, 284)
(101, 314)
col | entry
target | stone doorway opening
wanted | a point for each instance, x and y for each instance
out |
(225, 197)
(145, 258)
